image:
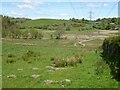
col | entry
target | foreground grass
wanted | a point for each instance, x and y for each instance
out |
(91, 73)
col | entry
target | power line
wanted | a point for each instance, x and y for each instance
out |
(112, 9)
(101, 8)
(74, 9)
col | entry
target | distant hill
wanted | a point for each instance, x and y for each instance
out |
(54, 24)
(39, 22)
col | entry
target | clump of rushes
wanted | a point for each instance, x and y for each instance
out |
(72, 61)
(69, 61)
(27, 55)
(59, 62)
(78, 58)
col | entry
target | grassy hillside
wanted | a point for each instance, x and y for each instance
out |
(34, 63)
(39, 22)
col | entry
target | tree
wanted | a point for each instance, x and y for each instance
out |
(59, 32)
(25, 34)
(33, 33)
(40, 35)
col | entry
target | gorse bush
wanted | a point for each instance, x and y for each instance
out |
(111, 55)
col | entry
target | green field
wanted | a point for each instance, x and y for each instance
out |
(39, 22)
(71, 61)
(91, 73)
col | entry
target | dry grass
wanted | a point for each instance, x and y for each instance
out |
(69, 61)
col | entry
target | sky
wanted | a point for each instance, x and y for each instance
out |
(60, 9)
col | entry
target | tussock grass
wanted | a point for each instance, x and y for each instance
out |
(69, 61)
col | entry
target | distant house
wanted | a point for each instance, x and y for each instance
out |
(97, 23)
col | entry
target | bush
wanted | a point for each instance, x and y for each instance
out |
(25, 34)
(70, 61)
(59, 62)
(40, 35)
(33, 33)
(68, 28)
(10, 60)
(78, 58)
(11, 55)
(111, 55)
(28, 55)
(59, 32)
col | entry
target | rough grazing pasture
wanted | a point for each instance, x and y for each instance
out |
(28, 64)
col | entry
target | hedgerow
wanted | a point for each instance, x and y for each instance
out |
(111, 55)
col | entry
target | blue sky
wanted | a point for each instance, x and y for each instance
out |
(60, 10)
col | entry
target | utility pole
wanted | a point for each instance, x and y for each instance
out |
(90, 15)
(91, 26)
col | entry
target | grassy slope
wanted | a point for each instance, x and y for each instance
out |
(39, 22)
(82, 76)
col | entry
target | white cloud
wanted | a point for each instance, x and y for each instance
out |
(25, 6)
(64, 14)
(30, 4)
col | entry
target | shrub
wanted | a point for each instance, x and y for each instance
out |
(10, 60)
(100, 66)
(78, 59)
(40, 35)
(51, 36)
(28, 55)
(52, 59)
(72, 61)
(68, 28)
(59, 62)
(25, 34)
(111, 55)
(33, 33)
(69, 61)
(11, 55)
(59, 32)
